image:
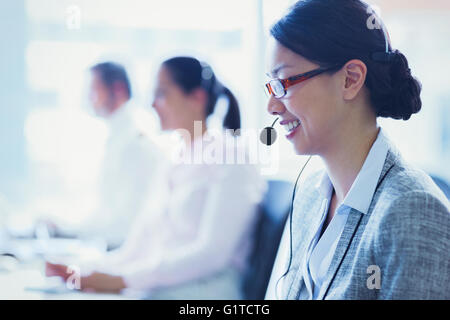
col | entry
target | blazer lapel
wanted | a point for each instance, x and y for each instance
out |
(353, 221)
(303, 232)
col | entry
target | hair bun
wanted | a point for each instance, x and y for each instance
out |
(400, 65)
(404, 90)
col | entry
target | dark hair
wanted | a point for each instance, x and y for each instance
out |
(111, 73)
(189, 74)
(329, 32)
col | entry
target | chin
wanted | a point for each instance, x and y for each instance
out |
(163, 126)
(301, 148)
(300, 151)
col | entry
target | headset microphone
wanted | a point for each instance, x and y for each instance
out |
(268, 137)
(269, 134)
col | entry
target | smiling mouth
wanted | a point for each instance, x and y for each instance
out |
(290, 125)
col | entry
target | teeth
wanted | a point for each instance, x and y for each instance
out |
(291, 125)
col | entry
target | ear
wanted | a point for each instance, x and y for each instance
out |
(119, 88)
(199, 97)
(355, 72)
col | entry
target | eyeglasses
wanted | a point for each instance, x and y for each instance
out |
(278, 87)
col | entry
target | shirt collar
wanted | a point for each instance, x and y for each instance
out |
(122, 122)
(363, 188)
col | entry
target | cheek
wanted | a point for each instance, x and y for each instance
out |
(168, 113)
(315, 107)
(310, 106)
(101, 97)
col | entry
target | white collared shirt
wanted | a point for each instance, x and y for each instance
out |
(130, 170)
(204, 225)
(320, 251)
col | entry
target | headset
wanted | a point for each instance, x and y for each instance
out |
(268, 137)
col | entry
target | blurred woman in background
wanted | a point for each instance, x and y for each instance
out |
(197, 245)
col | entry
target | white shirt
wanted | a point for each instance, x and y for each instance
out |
(129, 174)
(320, 251)
(204, 225)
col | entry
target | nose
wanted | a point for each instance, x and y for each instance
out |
(153, 103)
(275, 106)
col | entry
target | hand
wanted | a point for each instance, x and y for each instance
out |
(102, 282)
(58, 270)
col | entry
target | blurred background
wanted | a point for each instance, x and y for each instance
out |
(51, 144)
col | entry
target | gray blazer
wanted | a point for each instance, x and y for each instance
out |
(400, 249)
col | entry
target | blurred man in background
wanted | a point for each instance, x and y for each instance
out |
(130, 162)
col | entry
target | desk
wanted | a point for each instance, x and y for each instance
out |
(26, 279)
(22, 284)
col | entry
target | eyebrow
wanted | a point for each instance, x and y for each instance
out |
(275, 71)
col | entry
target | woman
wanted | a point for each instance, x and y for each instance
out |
(197, 246)
(370, 226)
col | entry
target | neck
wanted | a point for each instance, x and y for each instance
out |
(346, 156)
(196, 131)
(119, 103)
